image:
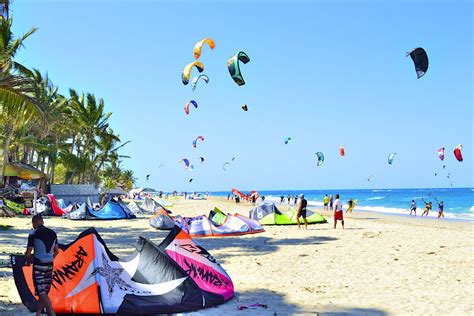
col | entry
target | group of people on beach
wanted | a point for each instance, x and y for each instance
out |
(428, 207)
(334, 204)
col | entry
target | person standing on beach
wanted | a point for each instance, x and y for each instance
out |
(326, 202)
(41, 249)
(413, 207)
(302, 212)
(440, 208)
(331, 202)
(282, 198)
(338, 212)
(428, 207)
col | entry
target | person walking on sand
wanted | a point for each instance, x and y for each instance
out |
(338, 212)
(331, 200)
(428, 207)
(413, 207)
(289, 199)
(41, 250)
(440, 208)
(302, 212)
(326, 202)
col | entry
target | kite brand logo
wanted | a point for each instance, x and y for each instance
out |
(70, 269)
(205, 275)
(198, 250)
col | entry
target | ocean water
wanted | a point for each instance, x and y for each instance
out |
(458, 202)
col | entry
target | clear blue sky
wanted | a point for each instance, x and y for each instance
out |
(326, 73)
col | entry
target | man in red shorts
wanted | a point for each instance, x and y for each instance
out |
(338, 212)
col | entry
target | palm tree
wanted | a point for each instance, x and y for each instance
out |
(128, 179)
(16, 103)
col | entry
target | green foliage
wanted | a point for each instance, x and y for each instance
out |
(69, 138)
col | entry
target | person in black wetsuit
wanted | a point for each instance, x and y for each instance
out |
(41, 249)
(302, 212)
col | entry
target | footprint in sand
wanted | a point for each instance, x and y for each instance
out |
(371, 234)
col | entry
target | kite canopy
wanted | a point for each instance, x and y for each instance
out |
(202, 159)
(195, 141)
(186, 74)
(176, 276)
(342, 152)
(224, 166)
(234, 67)
(186, 106)
(269, 214)
(390, 158)
(200, 44)
(287, 140)
(186, 163)
(161, 220)
(420, 59)
(233, 225)
(457, 153)
(245, 108)
(441, 153)
(111, 210)
(320, 156)
(196, 79)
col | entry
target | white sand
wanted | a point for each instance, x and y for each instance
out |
(378, 265)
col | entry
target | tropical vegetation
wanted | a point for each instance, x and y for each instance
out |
(68, 137)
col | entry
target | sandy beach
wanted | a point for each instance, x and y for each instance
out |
(378, 265)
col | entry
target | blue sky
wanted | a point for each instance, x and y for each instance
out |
(326, 73)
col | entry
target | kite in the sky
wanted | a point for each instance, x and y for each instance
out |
(195, 141)
(234, 67)
(457, 152)
(245, 108)
(202, 159)
(420, 59)
(186, 106)
(186, 74)
(287, 140)
(441, 153)
(369, 178)
(200, 44)
(342, 151)
(224, 166)
(320, 156)
(161, 166)
(186, 163)
(147, 176)
(190, 180)
(196, 79)
(390, 158)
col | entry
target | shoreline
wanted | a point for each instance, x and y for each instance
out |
(466, 215)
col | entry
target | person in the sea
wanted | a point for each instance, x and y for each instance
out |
(428, 207)
(331, 201)
(413, 207)
(41, 250)
(326, 202)
(440, 208)
(302, 212)
(338, 212)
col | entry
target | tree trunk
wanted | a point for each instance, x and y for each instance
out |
(6, 145)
